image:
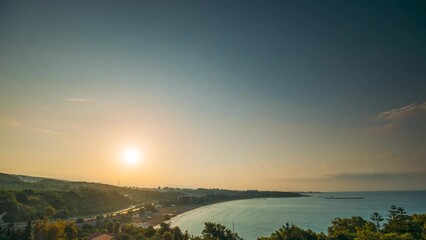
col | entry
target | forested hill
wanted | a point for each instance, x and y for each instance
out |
(23, 197)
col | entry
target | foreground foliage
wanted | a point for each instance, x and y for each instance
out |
(399, 226)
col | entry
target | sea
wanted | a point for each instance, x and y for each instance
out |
(252, 218)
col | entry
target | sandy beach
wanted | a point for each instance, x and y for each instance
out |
(162, 214)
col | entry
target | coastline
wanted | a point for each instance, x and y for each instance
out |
(166, 213)
(172, 212)
(175, 211)
(163, 214)
(262, 217)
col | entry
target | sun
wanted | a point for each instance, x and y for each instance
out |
(131, 156)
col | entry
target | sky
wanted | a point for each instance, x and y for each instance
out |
(271, 95)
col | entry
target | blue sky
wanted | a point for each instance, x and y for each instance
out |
(286, 92)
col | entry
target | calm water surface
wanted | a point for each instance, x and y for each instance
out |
(261, 217)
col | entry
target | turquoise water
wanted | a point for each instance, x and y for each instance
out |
(261, 217)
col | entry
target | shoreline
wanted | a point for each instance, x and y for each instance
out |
(165, 214)
(172, 212)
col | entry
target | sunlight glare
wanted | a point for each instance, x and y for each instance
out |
(131, 156)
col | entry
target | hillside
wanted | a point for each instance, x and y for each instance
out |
(36, 197)
(24, 197)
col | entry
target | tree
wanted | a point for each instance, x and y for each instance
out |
(292, 232)
(167, 236)
(177, 234)
(116, 228)
(55, 231)
(149, 232)
(10, 233)
(40, 228)
(71, 231)
(164, 227)
(12, 208)
(219, 232)
(21, 197)
(377, 218)
(43, 230)
(74, 212)
(420, 221)
(26, 235)
(110, 226)
(49, 211)
(398, 220)
(368, 232)
(345, 228)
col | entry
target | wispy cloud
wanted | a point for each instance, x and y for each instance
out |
(403, 116)
(401, 113)
(18, 124)
(42, 130)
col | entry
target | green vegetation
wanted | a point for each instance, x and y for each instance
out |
(24, 198)
(44, 230)
(399, 226)
(28, 204)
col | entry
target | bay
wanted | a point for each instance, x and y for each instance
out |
(261, 217)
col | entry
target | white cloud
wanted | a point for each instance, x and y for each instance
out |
(402, 113)
(42, 130)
